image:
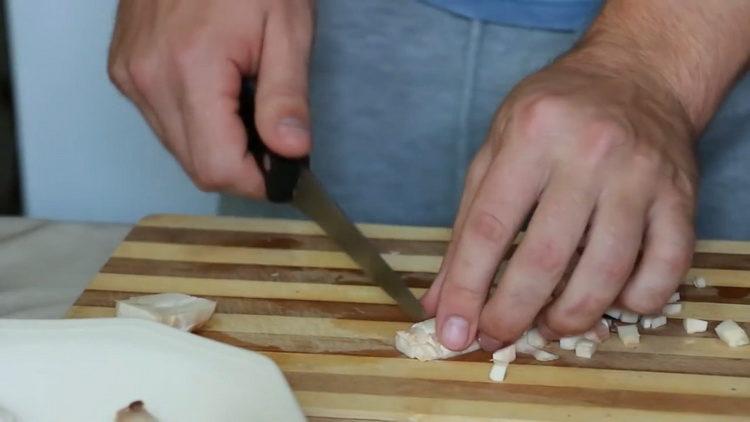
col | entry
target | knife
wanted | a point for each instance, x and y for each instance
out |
(291, 181)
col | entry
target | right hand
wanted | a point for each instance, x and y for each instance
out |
(181, 62)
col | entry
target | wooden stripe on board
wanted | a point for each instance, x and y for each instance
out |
(336, 260)
(547, 375)
(323, 404)
(375, 231)
(244, 288)
(383, 332)
(520, 393)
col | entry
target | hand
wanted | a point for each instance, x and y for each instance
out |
(181, 63)
(596, 154)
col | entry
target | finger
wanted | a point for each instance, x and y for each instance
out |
(506, 194)
(474, 177)
(214, 131)
(539, 262)
(282, 113)
(668, 251)
(604, 267)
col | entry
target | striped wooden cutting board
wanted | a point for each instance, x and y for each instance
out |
(285, 289)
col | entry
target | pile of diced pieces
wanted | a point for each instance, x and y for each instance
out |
(421, 342)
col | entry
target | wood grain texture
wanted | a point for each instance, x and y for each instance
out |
(286, 290)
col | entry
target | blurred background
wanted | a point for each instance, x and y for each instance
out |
(71, 147)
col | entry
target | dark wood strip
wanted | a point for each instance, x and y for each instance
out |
(273, 240)
(251, 272)
(282, 307)
(378, 348)
(738, 295)
(517, 393)
(410, 247)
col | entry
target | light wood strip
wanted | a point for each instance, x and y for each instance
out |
(278, 257)
(383, 331)
(714, 311)
(337, 405)
(338, 260)
(375, 231)
(720, 278)
(298, 227)
(333, 293)
(244, 288)
(554, 376)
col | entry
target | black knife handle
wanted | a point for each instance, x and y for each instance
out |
(279, 173)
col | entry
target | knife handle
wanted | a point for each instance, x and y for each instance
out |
(280, 173)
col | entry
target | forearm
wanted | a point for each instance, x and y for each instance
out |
(694, 48)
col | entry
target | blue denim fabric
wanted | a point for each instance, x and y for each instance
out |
(557, 15)
(402, 96)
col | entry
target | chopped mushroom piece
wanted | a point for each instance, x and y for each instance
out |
(535, 339)
(569, 343)
(506, 354)
(700, 282)
(177, 310)
(613, 312)
(672, 309)
(135, 412)
(628, 334)
(731, 333)
(497, 373)
(674, 298)
(523, 347)
(420, 342)
(599, 333)
(693, 325)
(629, 317)
(585, 349)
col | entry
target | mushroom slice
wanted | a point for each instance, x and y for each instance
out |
(177, 310)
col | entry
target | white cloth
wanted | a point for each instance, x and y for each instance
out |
(44, 266)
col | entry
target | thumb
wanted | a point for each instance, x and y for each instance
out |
(282, 112)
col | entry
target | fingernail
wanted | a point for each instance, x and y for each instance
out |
(292, 130)
(455, 332)
(489, 344)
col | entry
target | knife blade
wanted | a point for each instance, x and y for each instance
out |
(291, 180)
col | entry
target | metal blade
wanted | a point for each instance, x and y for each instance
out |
(311, 199)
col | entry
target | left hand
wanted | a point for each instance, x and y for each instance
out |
(599, 155)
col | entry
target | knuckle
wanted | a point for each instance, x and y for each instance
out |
(119, 76)
(141, 73)
(547, 256)
(488, 227)
(648, 160)
(536, 113)
(603, 137)
(189, 50)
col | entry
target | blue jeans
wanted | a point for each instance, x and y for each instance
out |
(403, 94)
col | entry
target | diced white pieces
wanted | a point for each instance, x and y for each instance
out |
(497, 373)
(672, 309)
(700, 282)
(658, 321)
(599, 332)
(674, 298)
(178, 310)
(628, 334)
(569, 343)
(544, 356)
(646, 322)
(506, 354)
(613, 312)
(653, 321)
(523, 347)
(535, 339)
(585, 349)
(731, 333)
(693, 325)
(420, 342)
(629, 317)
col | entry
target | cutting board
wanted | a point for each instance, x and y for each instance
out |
(285, 289)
